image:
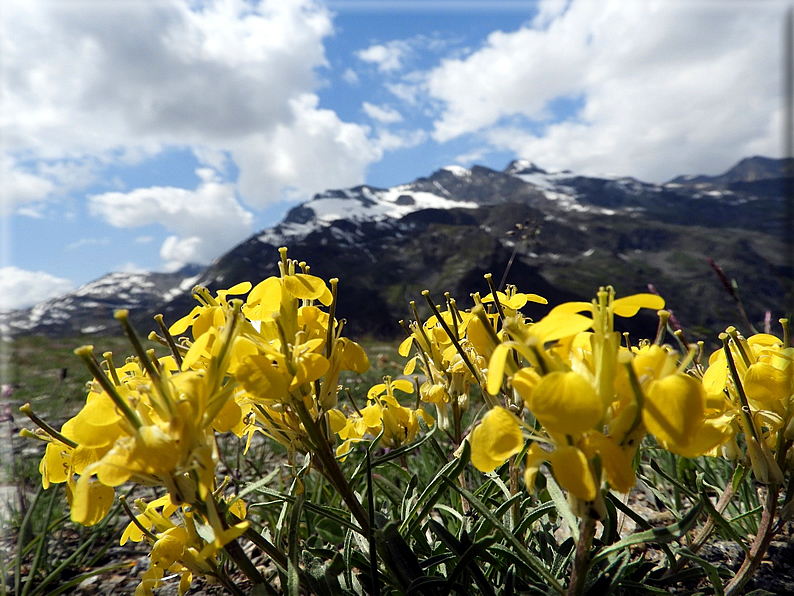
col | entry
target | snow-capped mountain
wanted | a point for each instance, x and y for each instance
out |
(89, 308)
(564, 235)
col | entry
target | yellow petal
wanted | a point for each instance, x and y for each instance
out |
(711, 434)
(306, 287)
(182, 324)
(496, 368)
(240, 288)
(536, 298)
(262, 379)
(479, 337)
(337, 420)
(565, 403)
(495, 439)
(410, 366)
(535, 457)
(616, 461)
(310, 367)
(266, 295)
(403, 385)
(766, 384)
(630, 305)
(133, 532)
(716, 377)
(211, 318)
(558, 324)
(572, 471)
(525, 381)
(354, 358)
(674, 410)
(91, 501)
(55, 464)
(228, 417)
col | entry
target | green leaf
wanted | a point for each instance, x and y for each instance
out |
(467, 563)
(642, 523)
(534, 563)
(711, 570)
(533, 516)
(433, 492)
(402, 557)
(293, 546)
(655, 535)
(642, 588)
(674, 481)
(719, 520)
(334, 514)
(561, 503)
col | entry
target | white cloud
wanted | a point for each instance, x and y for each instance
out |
(664, 88)
(107, 83)
(350, 76)
(389, 141)
(104, 241)
(387, 57)
(130, 267)
(32, 211)
(23, 288)
(20, 185)
(206, 221)
(383, 114)
(471, 156)
(317, 151)
(144, 239)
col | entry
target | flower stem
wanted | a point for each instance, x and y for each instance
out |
(766, 531)
(581, 561)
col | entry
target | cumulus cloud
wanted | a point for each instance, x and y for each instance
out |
(655, 89)
(20, 186)
(383, 114)
(117, 82)
(23, 288)
(104, 241)
(205, 221)
(387, 57)
(350, 77)
(315, 152)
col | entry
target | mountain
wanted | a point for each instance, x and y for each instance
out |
(89, 309)
(562, 234)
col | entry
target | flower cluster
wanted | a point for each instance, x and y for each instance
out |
(567, 390)
(593, 399)
(750, 383)
(268, 364)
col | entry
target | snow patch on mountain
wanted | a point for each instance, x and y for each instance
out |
(376, 205)
(458, 171)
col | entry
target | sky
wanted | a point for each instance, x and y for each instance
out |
(142, 135)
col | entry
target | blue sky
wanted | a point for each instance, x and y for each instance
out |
(146, 134)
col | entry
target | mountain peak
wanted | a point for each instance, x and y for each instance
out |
(749, 169)
(523, 166)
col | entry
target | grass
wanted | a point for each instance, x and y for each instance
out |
(46, 373)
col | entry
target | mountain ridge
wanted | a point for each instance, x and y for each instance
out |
(563, 233)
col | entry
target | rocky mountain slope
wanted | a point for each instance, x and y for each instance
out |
(565, 235)
(89, 309)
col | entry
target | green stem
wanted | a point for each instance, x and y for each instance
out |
(169, 341)
(581, 560)
(330, 467)
(27, 411)
(237, 554)
(766, 532)
(86, 354)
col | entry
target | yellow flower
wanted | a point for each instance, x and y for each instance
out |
(675, 412)
(496, 438)
(564, 403)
